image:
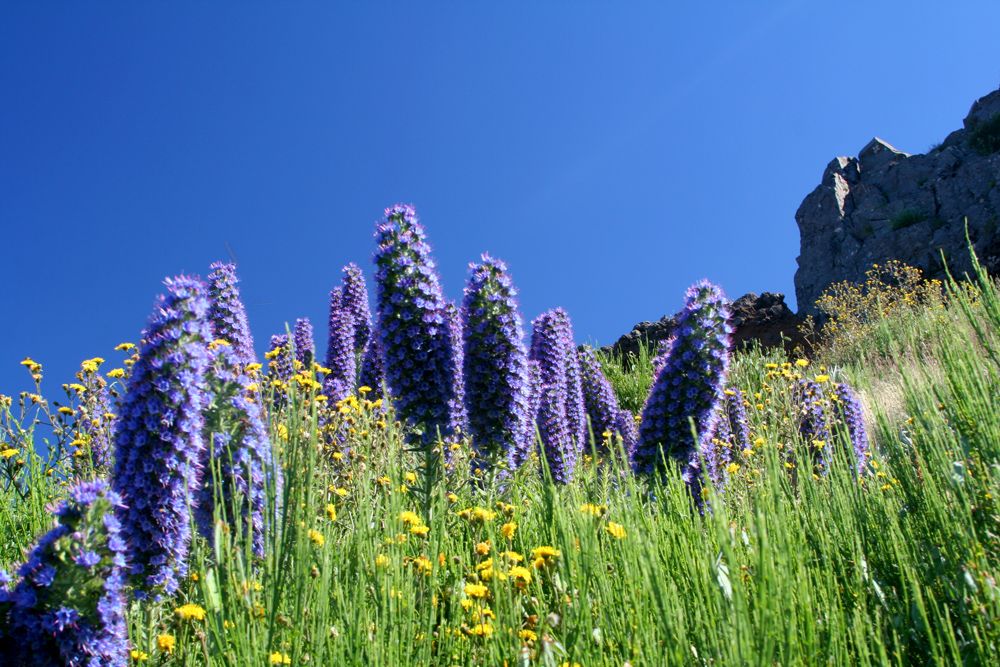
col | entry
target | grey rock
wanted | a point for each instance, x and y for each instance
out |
(764, 319)
(886, 204)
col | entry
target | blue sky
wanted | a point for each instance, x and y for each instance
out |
(611, 152)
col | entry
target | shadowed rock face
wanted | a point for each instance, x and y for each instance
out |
(763, 319)
(886, 204)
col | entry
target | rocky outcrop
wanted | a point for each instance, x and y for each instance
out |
(765, 319)
(887, 204)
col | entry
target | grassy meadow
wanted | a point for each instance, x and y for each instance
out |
(381, 557)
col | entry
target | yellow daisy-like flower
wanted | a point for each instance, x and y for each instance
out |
(508, 529)
(166, 643)
(316, 537)
(278, 658)
(521, 576)
(116, 373)
(331, 512)
(476, 590)
(480, 630)
(189, 611)
(483, 548)
(410, 518)
(822, 378)
(733, 468)
(422, 531)
(138, 656)
(8, 453)
(616, 530)
(593, 510)
(381, 560)
(801, 363)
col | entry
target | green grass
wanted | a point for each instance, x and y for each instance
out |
(781, 569)
(906, 218)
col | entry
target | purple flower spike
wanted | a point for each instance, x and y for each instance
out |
(814, 423)
(848, 408)
(305, 345)
(495, 366)
(456, 338)
(227, 313)
(93, 428)
(341, 359)
(688, 387)
(414, 328)
(355, 296)
(372, 373)
(661, 355)
(533, 393)
(561, 417)
(239, 446)
(158, 436)
(603, 411)
(281, 365)
(68, 607)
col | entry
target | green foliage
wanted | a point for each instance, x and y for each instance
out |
(630, 377)
(906, 218)
(984, 138)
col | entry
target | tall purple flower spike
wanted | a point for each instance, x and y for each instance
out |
(848, 409)
(341, 359)
(456, 336)
(814, 422)
(689, 386)
(603, 411)
(241, 450)
(68, 607)
(355, 300)
(372, 373)
(534, 394)
(560, 400)
(281, 366)
(158, 437)
(305, 344)
(226, 312)
(94, 428)
(495, 366)
(414, 328)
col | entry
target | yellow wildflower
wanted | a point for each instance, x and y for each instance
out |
(138, 656)
(166, 643)
(420, 530)
(7, 453)
(189, 611)
(476, 590)
(593, 510)
(331, 512)
(124, 347)
(316, 537)
(527, 635)
(483, 548)
(508, 529)
(278, 658)
(381, 560)
(615, 530)
(410, 518)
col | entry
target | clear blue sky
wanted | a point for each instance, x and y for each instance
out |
(611, 152)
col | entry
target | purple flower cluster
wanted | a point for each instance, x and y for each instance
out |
(237, 462)
(533, 394)
(689, 386)
(282, 364)
(227, 313)
(414, 327)
(68, 607)
(661, 355)
(561, 417)
(456, 336)
(355, 300)
(813, 420)
(495, 366)
(848, 409)
(158, 436)
(305, 345)
(341, 358)
(372, 373)
(602, 407)
(93, 428)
